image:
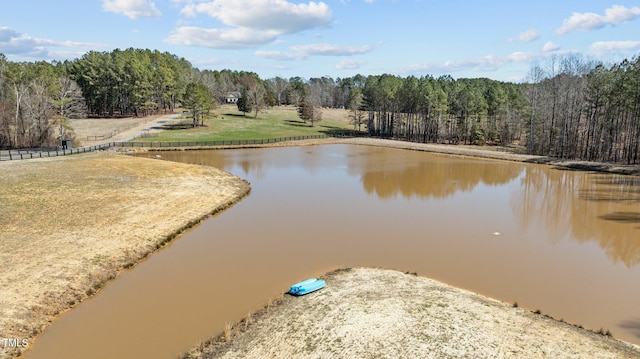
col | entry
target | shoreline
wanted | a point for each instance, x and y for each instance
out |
(228, 341)
(45, 312)
(65, 209)
(458, 150)
(374, 312)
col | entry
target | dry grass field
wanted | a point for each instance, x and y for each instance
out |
(71, 223)
(93, 131)
(378, 313)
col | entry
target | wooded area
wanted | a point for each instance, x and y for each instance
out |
(568, 108)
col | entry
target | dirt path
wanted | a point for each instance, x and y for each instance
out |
(71, 223)
(378, 313)
(93, 132)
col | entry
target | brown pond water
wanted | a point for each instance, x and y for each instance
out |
(566, 243)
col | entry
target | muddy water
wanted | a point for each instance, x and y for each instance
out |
(566, 243)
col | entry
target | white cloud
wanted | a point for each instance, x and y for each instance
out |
(347, 64)
(270, 15)
(605, 47)
(14, 43)
(237, 38)
(132, 9)
(521, 57)
(550, 46)
(331, 50)
(527, 36)
(614, 15)
(484, 63)
(189, 10)
(280, 56)
(303, 51)
(249, 23)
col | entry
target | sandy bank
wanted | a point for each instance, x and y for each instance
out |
(377, 313)
(69, 224)
(500, 154)
(492, 152)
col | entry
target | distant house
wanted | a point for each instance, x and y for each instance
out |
(233, 97)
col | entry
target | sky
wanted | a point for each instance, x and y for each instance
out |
(500, 40)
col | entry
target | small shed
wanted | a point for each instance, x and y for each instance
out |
(233, 97)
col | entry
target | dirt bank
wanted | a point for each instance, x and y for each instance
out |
(378, 313)
(493, 152)
(69, 224)
(500, 153)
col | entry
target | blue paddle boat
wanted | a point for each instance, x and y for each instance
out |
(307, 286)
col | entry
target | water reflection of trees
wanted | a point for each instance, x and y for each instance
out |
(589, 207)
(251, 163)
(428, 176)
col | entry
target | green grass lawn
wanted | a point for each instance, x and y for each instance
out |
(227, 123)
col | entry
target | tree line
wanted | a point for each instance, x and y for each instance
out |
(568, 107)
(585, 110)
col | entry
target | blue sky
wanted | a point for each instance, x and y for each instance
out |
(337, 38)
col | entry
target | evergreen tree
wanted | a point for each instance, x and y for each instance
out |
(198, 99)
(309, 112)
(244, 102)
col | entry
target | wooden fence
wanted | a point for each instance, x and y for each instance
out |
(216, 143)
(7, 155)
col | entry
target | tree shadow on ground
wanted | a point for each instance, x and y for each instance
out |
(334, 131)
(236, 115)
(175, 126)
(297, 123)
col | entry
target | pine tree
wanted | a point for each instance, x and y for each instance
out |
(309, 112)
(244, 102)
